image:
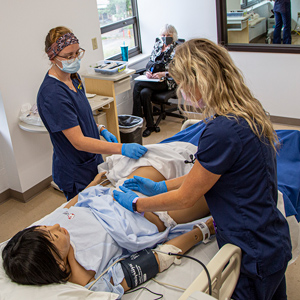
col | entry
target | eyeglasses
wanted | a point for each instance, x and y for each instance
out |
(71, 58)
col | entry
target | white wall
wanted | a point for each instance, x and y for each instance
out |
(26, 157)
(233, 5)
(191, 18)
(5, 146)
(272, 77)
(24, 26)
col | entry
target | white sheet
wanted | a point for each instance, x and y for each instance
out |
(168, 159)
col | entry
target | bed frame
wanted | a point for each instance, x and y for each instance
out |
(224, 270)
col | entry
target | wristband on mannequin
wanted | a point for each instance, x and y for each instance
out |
(205, 232)
(134, 206)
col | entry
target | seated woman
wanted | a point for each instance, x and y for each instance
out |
(87, 246)
(162, 54)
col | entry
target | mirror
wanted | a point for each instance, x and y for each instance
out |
(251, 28)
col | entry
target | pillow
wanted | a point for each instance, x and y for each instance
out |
(68, 291)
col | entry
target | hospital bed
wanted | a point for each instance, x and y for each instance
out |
(189, 275)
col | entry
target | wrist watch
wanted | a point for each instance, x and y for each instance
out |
(100, 126)
(134, 204)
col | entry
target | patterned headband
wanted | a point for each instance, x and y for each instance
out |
(61, 43)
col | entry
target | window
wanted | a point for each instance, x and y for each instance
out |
(248, 3)
(119, 25)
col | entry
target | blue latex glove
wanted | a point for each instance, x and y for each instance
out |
(146, 186)
(133, 150)
(126, 198)
(108, 136)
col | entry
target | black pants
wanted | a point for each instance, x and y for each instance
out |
(142, 94)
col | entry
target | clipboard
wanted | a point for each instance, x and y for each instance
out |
(144, 78)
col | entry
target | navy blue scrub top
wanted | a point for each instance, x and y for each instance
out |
(243, 201)
(61, 108)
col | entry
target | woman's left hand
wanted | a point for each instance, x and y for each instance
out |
(159, 75)
(108, 136)
(133, 150)
(126, 198)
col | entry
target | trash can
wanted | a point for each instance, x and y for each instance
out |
(130, 129)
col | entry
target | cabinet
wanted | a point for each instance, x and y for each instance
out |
(241, 30)
(238, 30)
(110, 86)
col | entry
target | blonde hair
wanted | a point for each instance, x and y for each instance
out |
(170, 29)
(203, 65)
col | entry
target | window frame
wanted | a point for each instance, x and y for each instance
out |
(246, 3)
(264, 48)
(134, 20)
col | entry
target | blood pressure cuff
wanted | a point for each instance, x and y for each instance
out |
(139, 267)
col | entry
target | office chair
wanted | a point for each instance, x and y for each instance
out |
(162, 100)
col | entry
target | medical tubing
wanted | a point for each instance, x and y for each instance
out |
(104, 272)
(142, 287)
(168, 253)
(202, 264)
(168, 284)
(195, 259)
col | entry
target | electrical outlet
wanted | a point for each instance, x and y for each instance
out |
(94, 43)
(298, 14)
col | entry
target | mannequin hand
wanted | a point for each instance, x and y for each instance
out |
(133, 150)
(126, 198)
(108, 136)
(146, 186)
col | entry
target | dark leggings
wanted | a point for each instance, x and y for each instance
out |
(142, 94)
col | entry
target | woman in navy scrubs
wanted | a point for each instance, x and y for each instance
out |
(67, 115)
(235, 170)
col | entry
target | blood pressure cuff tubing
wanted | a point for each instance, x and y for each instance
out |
(139, 267)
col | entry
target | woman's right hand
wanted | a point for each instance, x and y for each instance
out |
(146, 186)
(149, 75)
(133, 150)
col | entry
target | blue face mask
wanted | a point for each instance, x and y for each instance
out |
(72, 67)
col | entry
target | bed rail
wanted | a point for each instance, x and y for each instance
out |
(224, 269)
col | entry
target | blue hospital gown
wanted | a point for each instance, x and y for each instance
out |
(103, 231)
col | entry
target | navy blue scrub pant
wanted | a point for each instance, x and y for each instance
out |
(272, 287)
(77, 188)
(285, 20)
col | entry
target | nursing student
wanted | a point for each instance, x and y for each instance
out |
(235, 170)
(67, 115)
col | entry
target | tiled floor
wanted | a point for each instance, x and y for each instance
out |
(262, 39)
(15, 215)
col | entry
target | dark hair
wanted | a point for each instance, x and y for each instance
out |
(31, 258)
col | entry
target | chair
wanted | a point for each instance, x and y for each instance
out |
(162, 99)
